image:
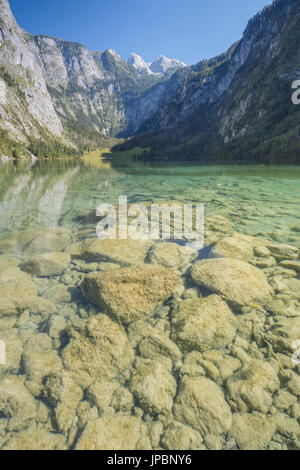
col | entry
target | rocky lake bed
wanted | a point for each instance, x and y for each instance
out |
(121, 344)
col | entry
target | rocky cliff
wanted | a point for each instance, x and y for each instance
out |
(89, 89)
(26, 107)
(235, 106)
(57, 94)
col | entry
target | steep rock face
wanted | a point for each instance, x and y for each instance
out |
(88, 88)
(235, 105)
(27, 103)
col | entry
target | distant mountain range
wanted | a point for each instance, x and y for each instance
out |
(57, 96)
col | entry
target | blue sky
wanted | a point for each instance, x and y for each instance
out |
(189, 30)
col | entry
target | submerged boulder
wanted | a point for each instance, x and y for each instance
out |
(122, 252)
(237, 246)
(16, 403)
(203, 324)
(252, 387)
(63, 394)
(47, 264)
(114, 432)
(200, 403)
(252, 431)
(98, 349)
(283, 252)
(157, 344)
(39, 360)
(132, 293)
(154, 387)
(43, 240)
(35, 438)
(18, 293)
(177, 436)
(172, 256)
(237, 282)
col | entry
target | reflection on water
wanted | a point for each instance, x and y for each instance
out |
(261, 201)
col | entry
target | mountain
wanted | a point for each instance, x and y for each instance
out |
(236, 106)
(90, 90)
(162, 64)
(26, 108)
(138, 63)
(57, 96)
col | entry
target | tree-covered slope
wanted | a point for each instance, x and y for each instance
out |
(237, 106)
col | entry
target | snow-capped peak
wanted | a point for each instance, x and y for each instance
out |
(162, 64)
(159, 66)
(138, 63)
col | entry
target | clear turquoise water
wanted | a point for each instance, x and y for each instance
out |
(261, 201)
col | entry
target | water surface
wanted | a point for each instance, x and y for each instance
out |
(262, 201)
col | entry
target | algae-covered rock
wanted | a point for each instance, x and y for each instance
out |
(172, 256)
(158, 344)
(122, 400)
(130, 293)
(154, 387)
(177, 436)
(252, 387)
(63, 394)
(59, 294)
(122, 252)
(35, 438)
(47, 264)
(100, 394)
(39, 360)
(237, 246)
(56, 326)
(291, 264)
(287, 427)
(98, 349)
(284, 335)
(294, 384)
(16, 402)
(203, 324)
(43, 240)
(283, 252)
(200, 403)
(252, 431)
(114, 432)
(18, 293)
(236, 281)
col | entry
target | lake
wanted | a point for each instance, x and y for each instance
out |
(140, 344)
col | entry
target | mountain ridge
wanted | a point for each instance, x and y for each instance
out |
(238, 105)
(61, 97)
